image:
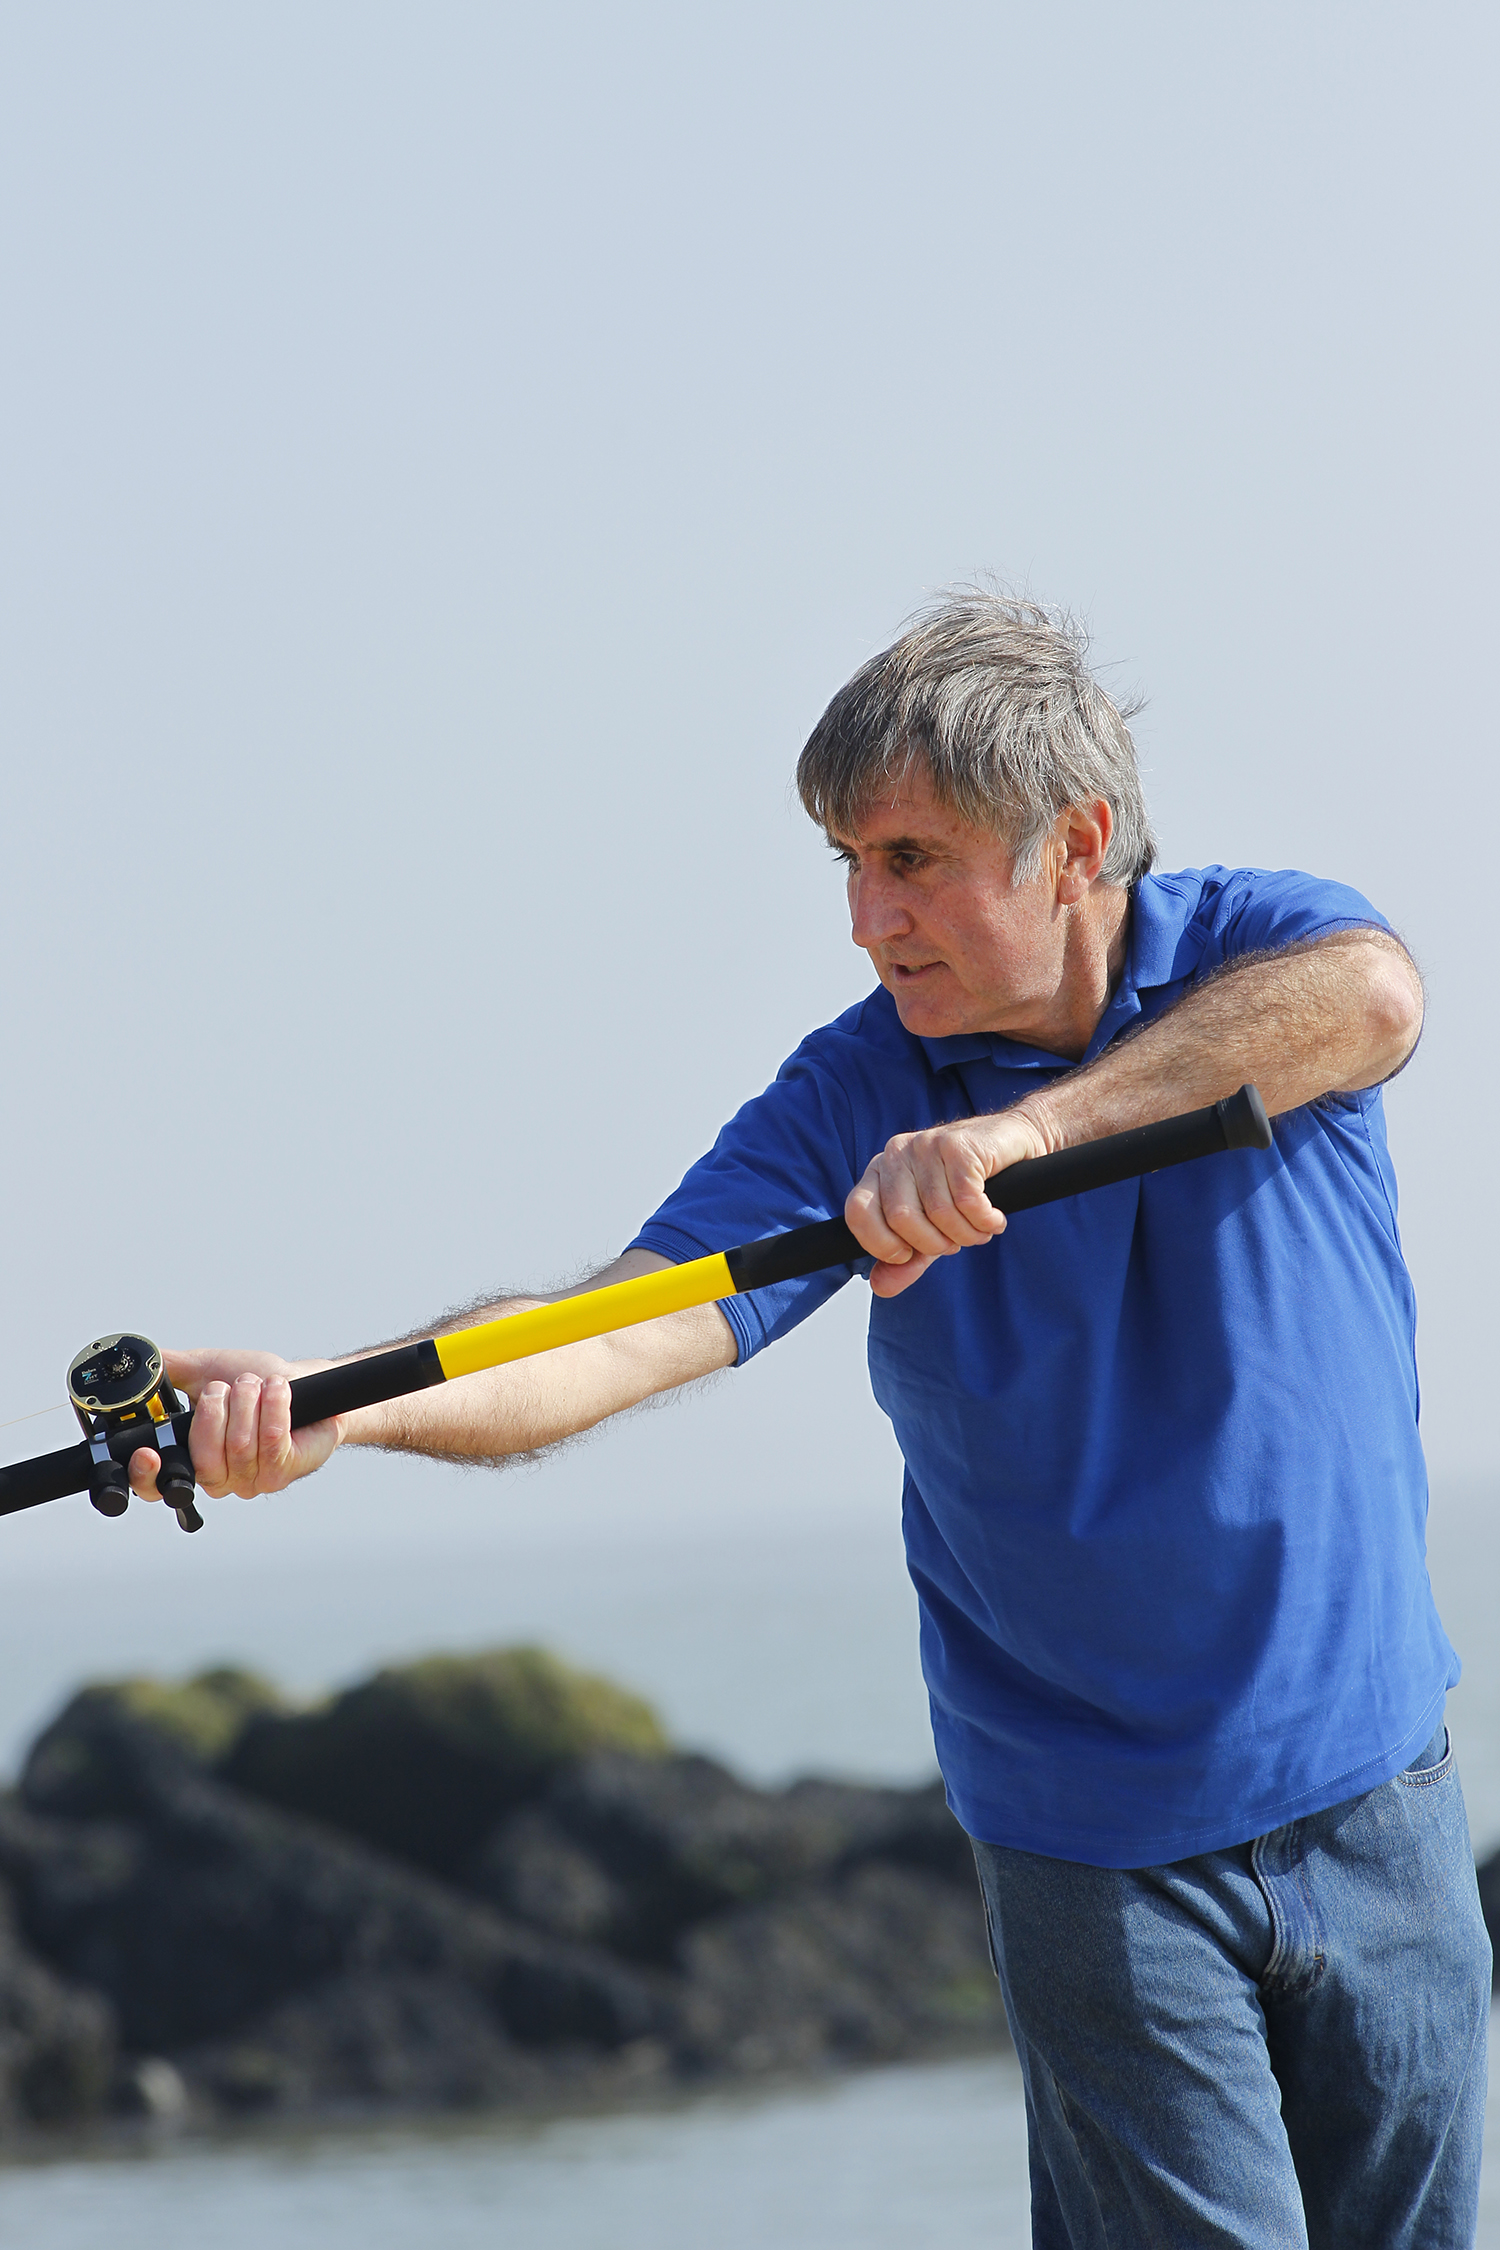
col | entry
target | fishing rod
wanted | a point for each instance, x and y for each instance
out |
(119, 1390)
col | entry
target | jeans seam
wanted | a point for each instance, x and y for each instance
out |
(1481, 2027)
(1066, 2109)
(1283, 1971)
(1318, 1959)
(989, 1919)
(1279, 1935)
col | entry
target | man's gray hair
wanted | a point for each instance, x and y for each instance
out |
(994, 696)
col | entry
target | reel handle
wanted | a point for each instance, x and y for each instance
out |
(109, 1487)
(176, 1483)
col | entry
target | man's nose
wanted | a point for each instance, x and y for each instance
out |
(877, 911)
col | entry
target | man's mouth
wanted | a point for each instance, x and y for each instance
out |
(908, 972)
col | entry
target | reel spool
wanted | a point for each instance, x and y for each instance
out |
(119, 1391)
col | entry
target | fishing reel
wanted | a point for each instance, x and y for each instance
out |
(119, 1391)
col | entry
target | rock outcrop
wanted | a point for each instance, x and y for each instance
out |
(57, 2042)
(604, 1913)
(422, 1760)
(629, 1852)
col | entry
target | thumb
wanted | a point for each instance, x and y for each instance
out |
(188, 1371)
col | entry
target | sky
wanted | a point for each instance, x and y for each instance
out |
(451, 456)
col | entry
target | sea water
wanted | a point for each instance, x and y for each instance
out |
(892, 2159)
(900, 2157)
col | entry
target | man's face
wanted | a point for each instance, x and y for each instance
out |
(956, 944)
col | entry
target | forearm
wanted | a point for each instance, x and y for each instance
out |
(1333, 1016)
(523, 1408)
(506, 1412)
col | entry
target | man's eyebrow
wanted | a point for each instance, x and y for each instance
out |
(928, 844)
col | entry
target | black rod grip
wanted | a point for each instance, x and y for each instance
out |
(49, 1476)
(365, 1382)
(1239, 1121)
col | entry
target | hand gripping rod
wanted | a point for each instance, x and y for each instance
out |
(1237, 1122)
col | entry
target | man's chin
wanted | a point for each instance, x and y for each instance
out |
(923, 1014)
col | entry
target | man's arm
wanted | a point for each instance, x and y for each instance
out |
(1331, 1016)
(243, 1442)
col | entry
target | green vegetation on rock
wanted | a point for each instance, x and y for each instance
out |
(73, 1767)
(423, 1758)
(206, 1714)
(520, 1706)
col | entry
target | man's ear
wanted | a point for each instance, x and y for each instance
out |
(1083, 833)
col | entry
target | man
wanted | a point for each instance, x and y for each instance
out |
(1164, 1499)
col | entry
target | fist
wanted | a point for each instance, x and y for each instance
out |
(923, 1196)
(242, 1439)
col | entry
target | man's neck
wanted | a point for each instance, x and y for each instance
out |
(1093, 964)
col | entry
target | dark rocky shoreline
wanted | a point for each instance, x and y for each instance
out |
(469, 1884)
(513, 1893)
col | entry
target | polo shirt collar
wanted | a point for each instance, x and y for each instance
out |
(1161, 907)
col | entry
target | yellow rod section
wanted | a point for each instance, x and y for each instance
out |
(701, 1282)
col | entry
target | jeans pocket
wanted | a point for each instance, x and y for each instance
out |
(1427, 1777)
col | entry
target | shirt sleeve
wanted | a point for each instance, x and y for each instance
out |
(1255, 910)
(785, 1159)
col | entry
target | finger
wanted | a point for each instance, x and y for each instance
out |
(242, 1435)
(864, 1215)
(145, 1467)
(942, 1173)
(884, 1213)
(903, 1210)
(890, 1280)
(968, 1172)
(275, 1446)
(207, 1439)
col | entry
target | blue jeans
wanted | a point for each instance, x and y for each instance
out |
(1273, 2047)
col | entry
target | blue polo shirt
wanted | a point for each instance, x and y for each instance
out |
(1164, 1502)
